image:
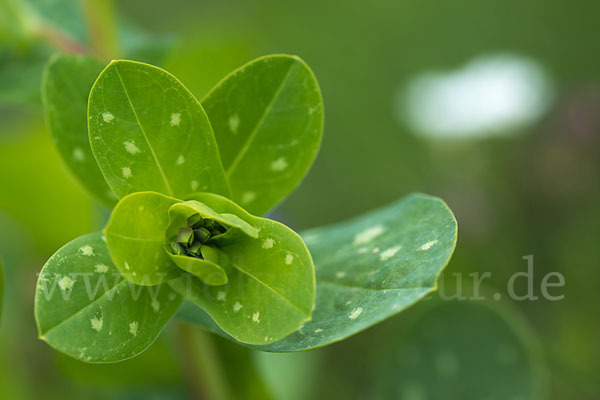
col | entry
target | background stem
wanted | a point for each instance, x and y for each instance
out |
(61, 40)
(201, 363)
(102, 28)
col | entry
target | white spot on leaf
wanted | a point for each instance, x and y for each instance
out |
(107, 117)
(355, 313)
(289, 258)
(194, 185)
(340, 274)
(126, 171)
(155, 305)
(234, 123)
(130, 147)
(87, 250)
(101, 268)
(279, 165)
(389, 253)
(268, 243)
(97, 323)
(237, 306)
(318, 330)
(256, 317)
(175, 119)
(180, 159)
(368, 234)
(66, 283)
(133, 328)
(428, 245)
(221, 296)
(126, 265)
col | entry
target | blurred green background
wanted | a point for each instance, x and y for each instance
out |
(492, 105)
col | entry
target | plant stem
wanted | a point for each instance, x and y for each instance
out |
(102, 28)
(59, 39)
(201, 363)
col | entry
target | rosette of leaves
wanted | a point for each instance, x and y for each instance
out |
(189, 182)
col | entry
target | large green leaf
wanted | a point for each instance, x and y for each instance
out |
(135, 237)
(84, 307)
(271, 289)
(65, 89)
(149, 133)
(368, 269)
(268, 119)
(436, 352)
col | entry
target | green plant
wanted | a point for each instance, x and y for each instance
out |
(188, 179)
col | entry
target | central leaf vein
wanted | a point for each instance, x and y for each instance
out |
(162, 173)
(264, 284)
(254, 132)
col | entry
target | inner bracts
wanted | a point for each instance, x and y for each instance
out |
(198, 232)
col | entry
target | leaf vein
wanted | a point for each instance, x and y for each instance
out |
(271, 289)
(244, 150)
(347, 286)
(162, 173)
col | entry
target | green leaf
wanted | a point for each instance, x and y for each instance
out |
(435, 352)
(271, 288)
(135, 237)
(66, 86)
(207, 271)
(179, 214)
(215, 266)
(149, 133)
(85, 309)
(369, 269)
(268, 121)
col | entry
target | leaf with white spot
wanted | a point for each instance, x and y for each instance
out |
(369, 269)
(268, 120)
(149, 133)
(89, 315)
(270, 291)
(66, 85)
(135, 238)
